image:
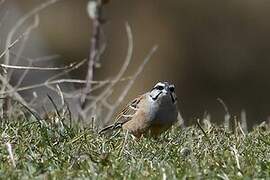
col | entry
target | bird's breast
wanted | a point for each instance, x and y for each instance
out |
(165, 115)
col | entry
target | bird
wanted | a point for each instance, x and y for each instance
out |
(150, 114)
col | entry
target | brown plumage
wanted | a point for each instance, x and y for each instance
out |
(149, 114)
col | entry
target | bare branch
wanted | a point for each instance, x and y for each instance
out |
(21, 21)
(76, 66)
(15, 94)
(11, 45)
(58, 81)
(38, 68)
(131, 82)
(38, 59)
(28, 30)
(120, 73)
(4, 77)
(21, 78)
(95, 13)
(21, 48)
(77, 93)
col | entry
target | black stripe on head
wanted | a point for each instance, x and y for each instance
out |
(173, 97)
(157, 90)
(156, 96)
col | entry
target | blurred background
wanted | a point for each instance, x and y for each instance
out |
(209, 49)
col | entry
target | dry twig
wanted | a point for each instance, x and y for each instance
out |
(131, 82)
(120, 73)
(28, 30)
(10, 43)
(70, 66)
(95, 13)
(21, 21)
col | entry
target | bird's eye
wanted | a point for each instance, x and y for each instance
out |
(171, 88)
(159, 87)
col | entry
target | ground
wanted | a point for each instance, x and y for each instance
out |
(63, 149)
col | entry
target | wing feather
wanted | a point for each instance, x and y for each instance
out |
(128, 112)
(125, 115)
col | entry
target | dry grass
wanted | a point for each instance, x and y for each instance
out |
(58, 147)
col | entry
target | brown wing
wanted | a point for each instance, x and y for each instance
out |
(128, 112)
(125, 115)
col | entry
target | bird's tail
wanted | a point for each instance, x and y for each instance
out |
(110, 127)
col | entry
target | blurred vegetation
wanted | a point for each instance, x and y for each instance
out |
(209, 49)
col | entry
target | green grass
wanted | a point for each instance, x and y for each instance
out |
(43, 149)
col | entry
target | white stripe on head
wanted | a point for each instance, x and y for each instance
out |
(160, 84)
